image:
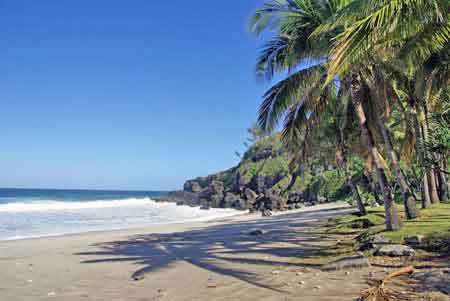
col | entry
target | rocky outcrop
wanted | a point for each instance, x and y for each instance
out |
(261, 181)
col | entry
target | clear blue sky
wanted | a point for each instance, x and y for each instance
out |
(123, 94)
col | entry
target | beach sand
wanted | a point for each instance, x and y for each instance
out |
(213, 260)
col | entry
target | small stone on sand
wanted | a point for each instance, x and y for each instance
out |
(138, 277)
(51, 294)
(275, 272)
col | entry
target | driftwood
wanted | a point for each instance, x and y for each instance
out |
(380, 292)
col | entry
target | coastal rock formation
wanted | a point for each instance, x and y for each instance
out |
(261, 181)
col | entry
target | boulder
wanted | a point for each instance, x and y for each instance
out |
(258, 183)
(230, 200)
(395, 251)
(414, 240)
(250, 195)
(255, 232)
(241, 204)
(241, 182)
(216, 187)
(274, 201)
(357, 261)
(192, 186)
(438, 279)
(216, 200)
(298, 206)
(266, 213)
(184, 197)
(375, 242)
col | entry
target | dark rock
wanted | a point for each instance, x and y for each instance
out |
(184, 197)
(414, 240)
(230, 200)
(266, 213)
(262, 154)
(258, 183)
(298, 206)
(255, 232)
(205, 207)
(438, 279)
(216, 187)
(375, 242)
(192, 186)
(241, 182)
(395, 251)
(250, 195)
(242, 204)
(216, 201)
(348, 262)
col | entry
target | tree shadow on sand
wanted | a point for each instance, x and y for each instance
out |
(226, 249)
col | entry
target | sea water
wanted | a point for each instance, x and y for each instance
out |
(29, 213)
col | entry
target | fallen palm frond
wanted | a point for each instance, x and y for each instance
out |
(382, 293)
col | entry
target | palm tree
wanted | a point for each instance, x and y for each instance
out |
(413, 31)
(381, 92)
(301, 96)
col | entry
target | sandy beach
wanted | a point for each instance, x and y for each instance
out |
(215, 260)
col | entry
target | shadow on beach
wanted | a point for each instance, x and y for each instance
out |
(227, 249)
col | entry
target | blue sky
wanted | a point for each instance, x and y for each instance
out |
(123, 94)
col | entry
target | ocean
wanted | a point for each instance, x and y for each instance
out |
(31, 213)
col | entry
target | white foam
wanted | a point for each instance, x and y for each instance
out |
(53, 218)
(55, 205)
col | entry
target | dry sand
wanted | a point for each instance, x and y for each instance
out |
(193, 261)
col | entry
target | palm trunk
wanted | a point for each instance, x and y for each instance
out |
(432, 185)
(374, 189)
(359, 202)
(445, 181)
(392, 219)
(443, 192)
(341, 160)
(424, 189)
(408, 198)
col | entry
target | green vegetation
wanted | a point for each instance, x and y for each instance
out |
(364, 101)
(434, 224)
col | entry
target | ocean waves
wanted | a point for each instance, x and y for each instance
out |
(46, 217)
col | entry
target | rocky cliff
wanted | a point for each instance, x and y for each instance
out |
(262, 180)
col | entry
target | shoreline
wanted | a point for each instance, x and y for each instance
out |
(151, 263)
(141, 228)
(155, 226)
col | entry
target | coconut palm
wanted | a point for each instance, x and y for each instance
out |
(415, 31)
(412, 29)
(301, 96)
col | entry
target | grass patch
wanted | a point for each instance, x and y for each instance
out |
(433, 222)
